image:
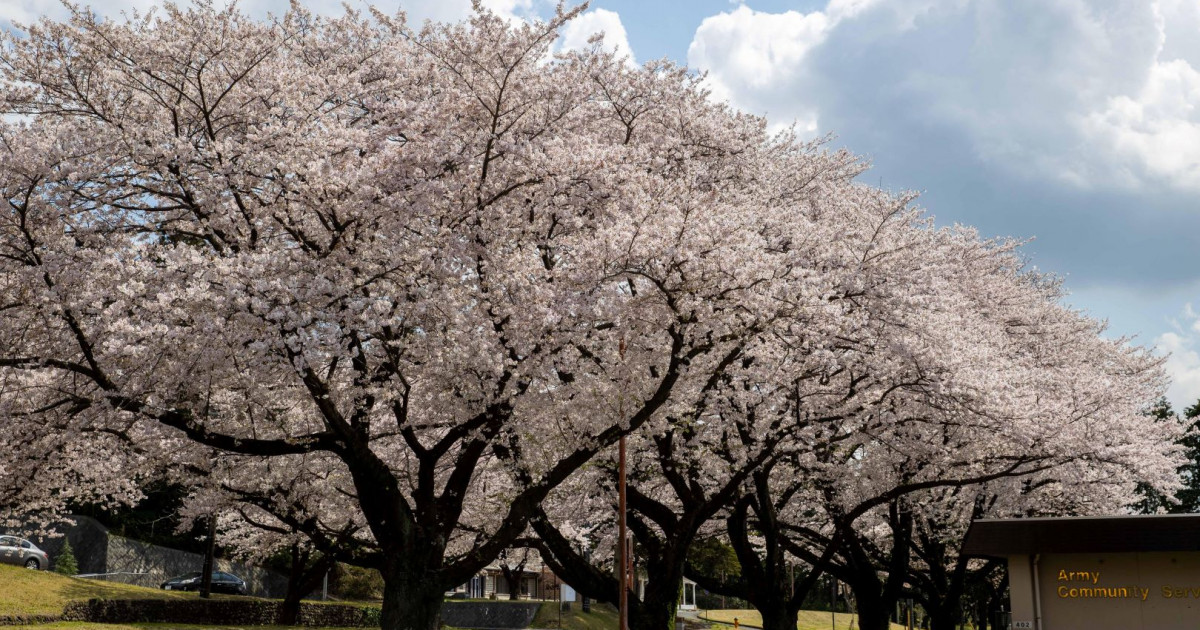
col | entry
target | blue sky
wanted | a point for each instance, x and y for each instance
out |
(1072, 122)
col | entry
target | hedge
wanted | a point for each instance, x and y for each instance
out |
(28, 620)
(241, 612)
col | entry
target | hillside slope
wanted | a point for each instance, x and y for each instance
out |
(26, 592)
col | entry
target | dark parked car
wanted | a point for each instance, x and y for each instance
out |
(221, 583)
(21, 552)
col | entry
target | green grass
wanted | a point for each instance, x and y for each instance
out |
(85, 625)
(806, 620)
(602, 617)
(26, 592)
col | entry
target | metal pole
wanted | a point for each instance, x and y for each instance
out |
(623, 556)
(833, 604)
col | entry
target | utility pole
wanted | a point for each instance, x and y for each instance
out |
(622, 550)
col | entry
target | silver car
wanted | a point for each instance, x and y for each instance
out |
(19, 551)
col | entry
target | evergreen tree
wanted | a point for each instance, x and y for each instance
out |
(65, 562)
(1189, 496)
(1187, 499)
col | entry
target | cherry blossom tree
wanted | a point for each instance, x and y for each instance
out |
(386, 270)
(1072, 435)
(788, 385)
(973, 378)
(257, 535)
(389, 288)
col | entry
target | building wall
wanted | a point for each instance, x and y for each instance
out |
(1020, 588)
(1117, 591)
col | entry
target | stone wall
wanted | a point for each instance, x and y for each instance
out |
(119, 559)
(487, 615)
(143, 564)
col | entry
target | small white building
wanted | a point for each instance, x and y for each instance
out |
(537, 581)
(687, 598)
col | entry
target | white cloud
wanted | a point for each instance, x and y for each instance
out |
(1154, 134)
(577, 32)
(755, 58)
(28, 11)
(1183, 362)
(1093, 93)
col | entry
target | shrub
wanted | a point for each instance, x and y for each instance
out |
(358, 583)
(242, 612)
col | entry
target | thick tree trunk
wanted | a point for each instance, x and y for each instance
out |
(512, 578)
(873, 615)
(657, 609)
(302, 580)
(289, 611)
(778, 618)
(210, 551)
(945, 618)
(410, 603)
(664, 584)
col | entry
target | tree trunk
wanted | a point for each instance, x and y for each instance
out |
(210, 550)
(410, 603)
(873, 615)
(778, 618)
(289, 611)
(657, 610)
(944, 618)
(291, 599)
(302, 580)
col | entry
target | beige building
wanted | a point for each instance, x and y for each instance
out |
(1097, 573)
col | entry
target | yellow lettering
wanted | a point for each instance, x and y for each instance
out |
(1062, 591)
(1062, 576)
(1166, 592)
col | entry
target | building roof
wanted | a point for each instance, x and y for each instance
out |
(1026, 536)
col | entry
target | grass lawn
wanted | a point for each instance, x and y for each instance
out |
(806, 620)
(25, 592)
(85, 625)
(602, 617)
(28, 592)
